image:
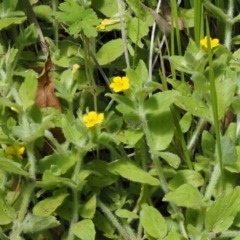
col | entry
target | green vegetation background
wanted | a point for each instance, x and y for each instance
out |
(119, 119)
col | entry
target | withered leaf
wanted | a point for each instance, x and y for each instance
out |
(45, 96)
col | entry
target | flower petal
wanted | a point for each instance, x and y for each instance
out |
(100, 117)
(10, 150)
(116, 79)
(214, 42)
(21, 150)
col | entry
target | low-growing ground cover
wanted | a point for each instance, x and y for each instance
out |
(119, 119)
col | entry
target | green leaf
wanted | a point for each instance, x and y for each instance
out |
(123, 100)
(110, 51)
(28, 36)
(174, 236)
(153, 222)
(124, 213)
(14, 167)
(49, 181)
(195, 106)
(107, 7)
(181, 86)
(221, 213)
(74, 132)
(59, 162)
(225, 93)
(131, 172)
(103, 224)
(34, 223)
(130, 137)
(185, 122)
(89, 208)
(47, 206)
(208, 144)
(78, 19)
(44, 12)
(161, 101)
(7, 213)
(185, 196)
(172, 159)
(7, 22)
(35, 113)
(229, 152)
(140, 11)
(28, 89)
(186, 176)
(84, 230)
(180, 64)
(136, 30)
(100, 176)
(161, 127)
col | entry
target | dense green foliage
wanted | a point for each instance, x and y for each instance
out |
(119, 119)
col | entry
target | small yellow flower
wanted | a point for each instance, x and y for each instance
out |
(92, 118)
(214, 42)
(14, 150)
(75, 68)
(107, 22)
(120, 84)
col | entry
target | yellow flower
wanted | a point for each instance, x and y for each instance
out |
(107, 22)
(14, 150)
(120, 84)
(75, 68)
(214, 42)
(92, 118)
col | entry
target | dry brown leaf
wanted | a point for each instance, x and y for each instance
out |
(45, 96)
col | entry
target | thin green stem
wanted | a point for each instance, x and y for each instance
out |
(213, 181)
(150, 65)
(175, 24)
(186, 153)
(225, 235)
(159, 169)
(228, 28)
(18, 223)
(75, 192)
(214, 103)
(124, 38)
(55, 22)
(196, 133)
(198, 21)
(113, 220)
(33, 19)
(32, 160)
(129, 229)
(27, 130)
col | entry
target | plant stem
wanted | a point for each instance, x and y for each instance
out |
(150, 65)
(55, 22)
(228, 29)
(18, 223)
(75, 208)
(214, 103)
(198, 21)
(27, 130)
(161, 177)
(113, 220)
(213, 181)
(119, 2)
(196, 133)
